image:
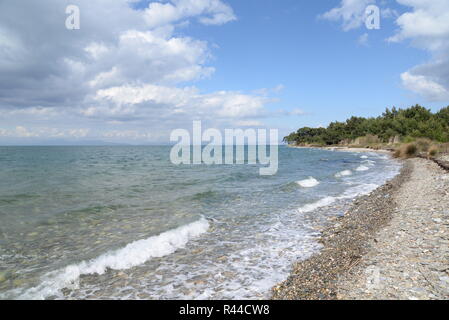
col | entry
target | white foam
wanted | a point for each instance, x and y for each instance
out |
(359, 190)
(134, 254)
(364, 157)
(320, 203)
(362, 168)
(308, 183)
(343, 173)
(369, 162)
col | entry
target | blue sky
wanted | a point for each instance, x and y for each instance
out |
(138, 70)
(325, 71)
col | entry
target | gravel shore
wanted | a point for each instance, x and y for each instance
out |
(392, 244)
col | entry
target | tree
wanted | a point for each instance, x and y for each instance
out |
(415, 122)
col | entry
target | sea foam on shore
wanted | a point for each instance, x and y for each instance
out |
(132, 255)
(260, 225)
(308, 183)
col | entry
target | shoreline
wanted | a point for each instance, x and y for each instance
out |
(345, 149)
(340, 269)
(343, 246)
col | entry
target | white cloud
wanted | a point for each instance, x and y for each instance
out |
(44, 64)
(388, 13)
(144, 100)
(33, 111)
(424, 86)
(23, 132)
(105, 78)
(296, 112)
(209, 12)
(425, 23)
(125, 66)
(363, 39)
(267, 91)
(250, 123)
(78, 133)
(350, 12)
(96, 50)
(126, 134)
(4, 132)
(427, 27)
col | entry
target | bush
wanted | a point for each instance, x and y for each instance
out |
(444, 147)
(433, 151)
(423, 144)
(409, 150)
(408, 139)
(397, 154)
(406, 151)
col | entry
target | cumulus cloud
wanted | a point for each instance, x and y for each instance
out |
(350, 12)
(126, 64)
(43, 63)
(425, 86)
(209, 12)
(425, 23)
(187, 101)
(353, 13)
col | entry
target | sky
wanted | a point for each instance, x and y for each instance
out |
(135, 71)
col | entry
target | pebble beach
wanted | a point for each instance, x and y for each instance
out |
(392, 244)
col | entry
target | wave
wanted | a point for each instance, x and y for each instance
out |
(369, 162)
(351, 193)
(359, 190)
(364, 157)
(362, 168)
(134, 254)
(320, 203)
(343, 173)
(308, 183)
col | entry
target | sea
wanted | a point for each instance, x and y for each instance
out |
(123, 222)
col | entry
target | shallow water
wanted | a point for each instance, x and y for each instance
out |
(123, 222)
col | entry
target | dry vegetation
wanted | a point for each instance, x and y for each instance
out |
(402, 147)
(420, 147)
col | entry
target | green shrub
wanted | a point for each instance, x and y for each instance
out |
(393, 126)
(408, 139)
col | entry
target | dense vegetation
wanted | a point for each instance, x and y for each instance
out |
(404, 124)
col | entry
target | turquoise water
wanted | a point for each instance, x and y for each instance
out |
(124, 223)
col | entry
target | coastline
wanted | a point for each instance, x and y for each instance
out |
(341, 270)
(344, 149)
